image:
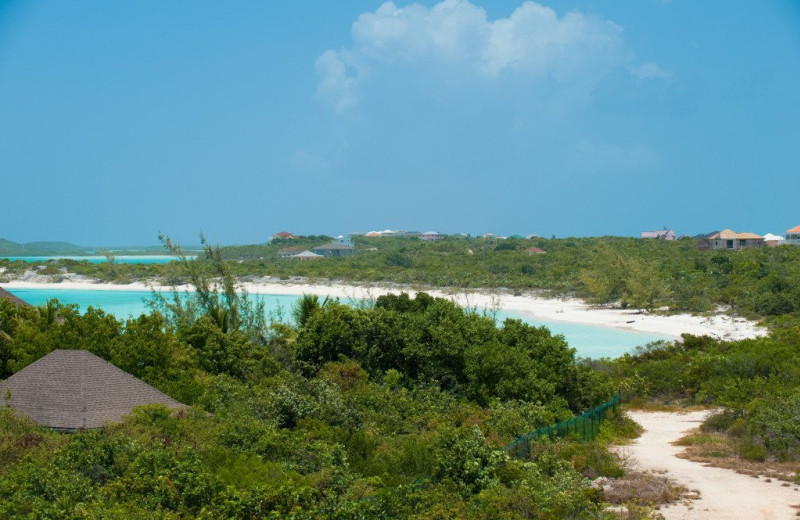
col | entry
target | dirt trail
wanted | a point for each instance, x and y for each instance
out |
(724, 494)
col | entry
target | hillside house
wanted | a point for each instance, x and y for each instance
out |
(284, 235)
(773, 240)
(334, 249)
(289, 252)
(431, 236)
(661, 234)
(74, 390)
(793, 236)
(344, 240)
(727, 240)
(306, 255)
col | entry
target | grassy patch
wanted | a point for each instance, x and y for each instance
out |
(643, 488)
(619, 429)
(724, 451)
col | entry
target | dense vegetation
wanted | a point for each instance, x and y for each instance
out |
(757, 381)
(631, 272)
(396, 411)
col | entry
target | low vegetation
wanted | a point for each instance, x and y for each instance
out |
(630, 272)
(400, 409)
(397, 411)
(755, 383)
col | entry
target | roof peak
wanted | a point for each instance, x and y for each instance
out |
(74, 389)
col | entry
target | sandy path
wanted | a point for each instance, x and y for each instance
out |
(724, 494)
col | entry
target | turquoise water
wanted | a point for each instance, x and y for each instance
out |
(125, 259)
(592, 341)
(124, 304)
(588, 340)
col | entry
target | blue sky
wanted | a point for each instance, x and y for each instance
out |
(122, 119)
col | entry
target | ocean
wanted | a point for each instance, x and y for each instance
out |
(587, 340)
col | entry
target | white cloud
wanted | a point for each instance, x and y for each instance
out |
(650, 71)
(337, 85)
(455, 38)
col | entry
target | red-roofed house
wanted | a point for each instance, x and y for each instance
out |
(793, 236)
(284, 235)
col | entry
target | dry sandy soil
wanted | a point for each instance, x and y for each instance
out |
(724, 494)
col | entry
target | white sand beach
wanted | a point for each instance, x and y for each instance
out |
(547, 309)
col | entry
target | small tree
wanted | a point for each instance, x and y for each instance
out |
(217, 294)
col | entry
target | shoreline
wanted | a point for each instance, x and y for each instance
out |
(568, 310)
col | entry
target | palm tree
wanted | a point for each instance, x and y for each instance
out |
(306, 306)
(222, 317)
(48, 313)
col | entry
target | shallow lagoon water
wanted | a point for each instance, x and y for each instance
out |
(588, 340)
(124, 259)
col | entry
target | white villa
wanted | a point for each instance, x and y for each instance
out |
(661, 234)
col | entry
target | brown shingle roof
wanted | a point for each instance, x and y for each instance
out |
(5, 295)
(794, 230)
(74, 389)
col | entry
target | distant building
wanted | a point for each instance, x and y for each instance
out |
(727, 240)
(431, 236)
(373, 234)
(306, 255)
(344, 240)
(334, 249)
(793, 236)
(75, 390)
(773, 240)
(288, 252)
(284, 235)
(661, 234)
(535, 251)
(410, 234)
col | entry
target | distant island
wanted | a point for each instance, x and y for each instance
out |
(10, 248)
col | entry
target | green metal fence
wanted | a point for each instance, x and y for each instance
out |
(584, 426)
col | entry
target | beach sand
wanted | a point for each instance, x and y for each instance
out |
(568, 310)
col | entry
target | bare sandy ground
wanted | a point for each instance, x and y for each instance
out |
(546, 309)
(724, 494)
